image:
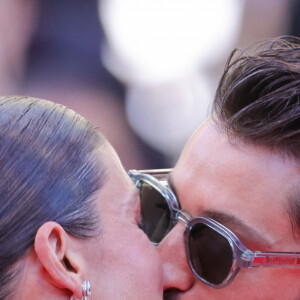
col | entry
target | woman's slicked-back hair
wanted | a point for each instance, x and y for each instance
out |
(258, 98)
(50, 169)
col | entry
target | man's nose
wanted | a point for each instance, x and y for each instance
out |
(177, 275)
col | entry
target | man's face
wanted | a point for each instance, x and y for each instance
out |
(247, 189)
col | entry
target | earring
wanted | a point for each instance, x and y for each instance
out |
(86, 291)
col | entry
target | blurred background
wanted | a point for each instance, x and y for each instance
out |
(144, 71)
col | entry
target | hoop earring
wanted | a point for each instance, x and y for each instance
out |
(86, 291)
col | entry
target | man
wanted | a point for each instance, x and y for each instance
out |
(241, 170)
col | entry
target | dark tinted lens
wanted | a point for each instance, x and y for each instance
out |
(210, 254)
(155, 213)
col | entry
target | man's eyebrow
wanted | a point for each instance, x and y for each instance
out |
(237, 225)
(228, 220)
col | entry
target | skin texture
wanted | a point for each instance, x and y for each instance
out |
(251, 186)
(120, 262)
(127, 264)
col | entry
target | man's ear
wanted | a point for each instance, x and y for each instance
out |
(52, 247)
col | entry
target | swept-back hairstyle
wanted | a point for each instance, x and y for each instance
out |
(258, 97)
(258, 100)
(50, 169)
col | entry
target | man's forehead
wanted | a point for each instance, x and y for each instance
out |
(189, 157)
(209, 144)
(214, 174)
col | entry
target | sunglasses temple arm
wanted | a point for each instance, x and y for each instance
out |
(274, 259)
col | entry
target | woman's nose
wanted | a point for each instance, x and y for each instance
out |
(176, 272)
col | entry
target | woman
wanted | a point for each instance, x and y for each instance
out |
(69, 214)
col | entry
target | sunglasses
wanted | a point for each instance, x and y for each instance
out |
(214, 253)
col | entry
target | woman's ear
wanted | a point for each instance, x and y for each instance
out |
(52, 247)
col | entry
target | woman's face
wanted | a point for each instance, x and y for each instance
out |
(121, 262)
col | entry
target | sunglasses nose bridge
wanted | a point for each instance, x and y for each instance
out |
(183, 216)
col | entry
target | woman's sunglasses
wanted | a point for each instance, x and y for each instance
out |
(214, 253)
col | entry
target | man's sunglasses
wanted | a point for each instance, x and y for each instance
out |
(214, 253)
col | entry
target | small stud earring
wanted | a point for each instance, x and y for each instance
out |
(86, 291)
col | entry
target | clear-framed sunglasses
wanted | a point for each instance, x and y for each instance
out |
(214, 253)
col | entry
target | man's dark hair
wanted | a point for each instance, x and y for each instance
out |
(50, 170)
(258, 99)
